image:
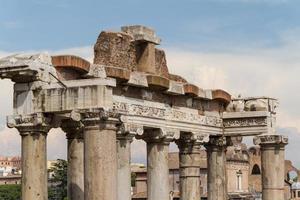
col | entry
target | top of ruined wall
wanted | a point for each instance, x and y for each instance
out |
(131, 57)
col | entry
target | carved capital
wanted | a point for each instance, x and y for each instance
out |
(160, 135)
(217, 142)
(270, 140)
(73, 129)
(28, 124)
(99, 118)
(127, 131)
(191, 139)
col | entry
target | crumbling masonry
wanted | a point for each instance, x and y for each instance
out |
(129, 93)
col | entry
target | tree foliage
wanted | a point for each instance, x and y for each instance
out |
(58, 180)
(10, 192)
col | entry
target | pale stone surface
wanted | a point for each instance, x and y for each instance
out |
(79, 94)
(26, 68)
(124, 170)
(100, 163)
(75, 169)
(157, 163)
(141, 33)
(158, 171)
(216, 177)
(74, 133)
(34, 166)
(273, 169)
(146, 58)
(189, 146)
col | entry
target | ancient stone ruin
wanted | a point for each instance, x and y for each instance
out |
(126, 93)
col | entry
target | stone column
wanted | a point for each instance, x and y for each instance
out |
(74, 133)
(216, 160)
(189, 146)
(100, 157)
(125, 136)
(158, 141)
(33, 130)
(272, 161)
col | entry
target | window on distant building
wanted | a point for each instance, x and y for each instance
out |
(239, 180)
(255, 170)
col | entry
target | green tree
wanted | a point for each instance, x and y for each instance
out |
(10, 192)
(58, 180)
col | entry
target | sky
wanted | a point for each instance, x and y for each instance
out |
(247, 47)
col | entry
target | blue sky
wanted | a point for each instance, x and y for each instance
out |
(208, 25)
(247, 47)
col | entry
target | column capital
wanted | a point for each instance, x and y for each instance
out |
(127, 131)
(190, 141)
(29, 124)
(99, 118)
(219, 142)
(270, 140)
(160, 135)
(73, 129)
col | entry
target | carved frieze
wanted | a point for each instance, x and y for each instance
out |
(171, 114)
(244, 122)
(270, 139)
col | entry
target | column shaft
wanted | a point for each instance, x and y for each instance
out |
(157, 171)
(272, 161)
(124, 170)
(34, 166)
(75, 169)
(190, 173)
(100, 162)
(216, 177)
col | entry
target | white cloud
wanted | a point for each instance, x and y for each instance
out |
(10, 144)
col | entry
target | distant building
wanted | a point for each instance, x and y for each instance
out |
(243, 169)
(10, 170)
(10, 165)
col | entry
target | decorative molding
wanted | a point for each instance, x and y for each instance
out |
(160, 135)
(270, 139)
(170, 114)
(245, 122)
(73, 129)
(34, 123)
(129, 130)
(217, 141)
(194, 137)
(99, 118)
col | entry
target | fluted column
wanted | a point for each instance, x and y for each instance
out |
(100, 157)
(189, 146)
(125, 136)
(272, 161)
(216, 160)
(33, 130)
(74, 133)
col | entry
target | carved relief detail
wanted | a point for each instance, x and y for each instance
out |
(167, 114)
(270, 139)
(242, 122)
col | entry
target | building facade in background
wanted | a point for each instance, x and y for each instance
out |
(243, 170)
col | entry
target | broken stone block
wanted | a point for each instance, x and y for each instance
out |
(141, 33)
(115, 49)
(161, 67)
